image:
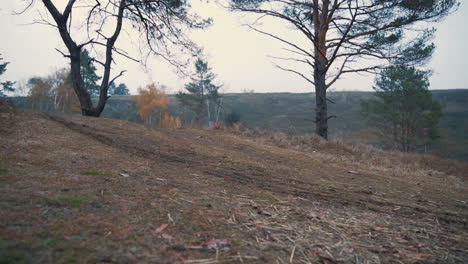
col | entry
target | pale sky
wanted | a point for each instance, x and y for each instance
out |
(237, 55)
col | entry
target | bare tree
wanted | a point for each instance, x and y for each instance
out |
(161, 24)
(349, 36)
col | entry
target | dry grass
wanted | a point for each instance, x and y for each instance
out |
(209, 196)
(360, 156)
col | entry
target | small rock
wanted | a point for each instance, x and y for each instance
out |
(269, 236)
(125, 174)
(178, 247)
(103, 258)
(222, 244)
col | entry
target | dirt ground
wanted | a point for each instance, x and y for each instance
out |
(88, 190)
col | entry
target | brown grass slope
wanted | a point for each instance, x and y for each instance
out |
(212, 196)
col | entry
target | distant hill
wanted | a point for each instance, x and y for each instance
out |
(293, 113)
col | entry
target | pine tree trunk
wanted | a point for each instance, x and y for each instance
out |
(320, 16)
(321, 110)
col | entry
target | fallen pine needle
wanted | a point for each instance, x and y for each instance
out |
(292, 255)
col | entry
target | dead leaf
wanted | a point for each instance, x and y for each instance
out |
(167, 236)
(312, 215)
(161, 228)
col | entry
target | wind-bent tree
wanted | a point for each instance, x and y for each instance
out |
(402, 111)
(161, 24)
(350, 36)
(6, 86)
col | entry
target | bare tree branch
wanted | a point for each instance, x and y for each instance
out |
(296, 72)
(63, 54)
(116, 77)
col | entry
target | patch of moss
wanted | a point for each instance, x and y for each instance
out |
(217, 181)
(97, 173)
(75, 201)
(14, 258)
(47, 239)
(51, 241)
(143, 173)
(14, 252)
(3, 170)
(70, 259)
(266, 196)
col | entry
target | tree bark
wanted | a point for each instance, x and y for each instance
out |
(321, 110)
(320, 69)
(78, 84)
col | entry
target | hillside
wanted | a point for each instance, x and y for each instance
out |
(87, 190)
(293, 114)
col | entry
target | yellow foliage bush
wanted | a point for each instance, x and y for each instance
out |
(171, 122)
(151, 103)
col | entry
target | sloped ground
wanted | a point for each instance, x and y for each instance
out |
(86, 190)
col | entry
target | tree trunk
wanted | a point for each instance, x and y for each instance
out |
(200, 115)
(320, 16)
(56, 101)
(321, 110)
(208, 110)
(79, 86)
(218, 106)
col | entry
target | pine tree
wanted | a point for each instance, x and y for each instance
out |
(5, 86)
(403, 110)
(203, 97)
(121, 89)
(88, 71)
(339, 37)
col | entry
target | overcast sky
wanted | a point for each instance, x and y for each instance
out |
(237, 55)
